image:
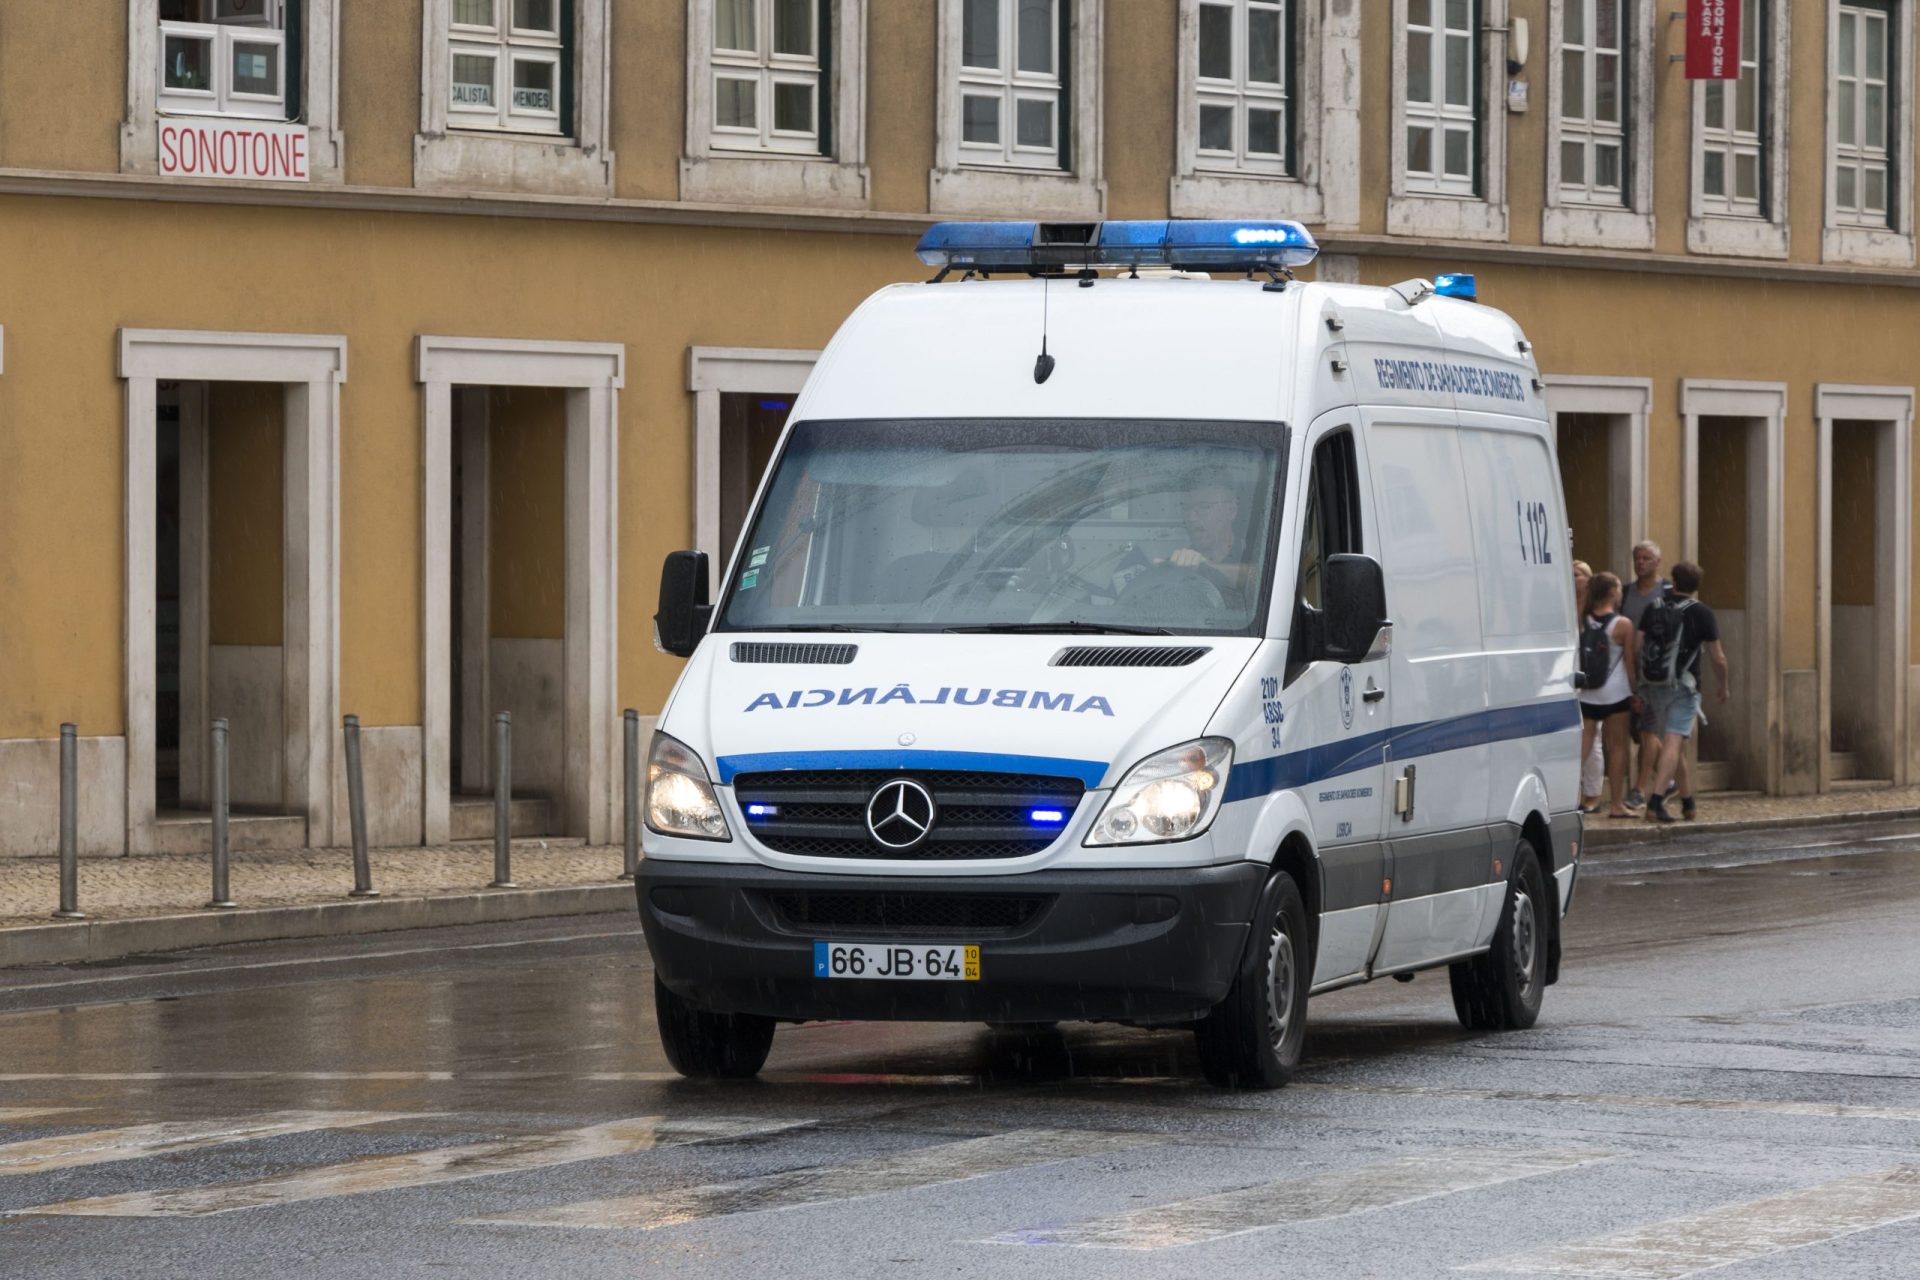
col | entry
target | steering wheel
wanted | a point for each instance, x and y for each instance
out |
(1175, 592)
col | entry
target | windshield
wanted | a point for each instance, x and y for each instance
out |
(1080, 525)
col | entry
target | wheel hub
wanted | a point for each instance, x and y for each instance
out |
(1525, 941)
(1279, 985)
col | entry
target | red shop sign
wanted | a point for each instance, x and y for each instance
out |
(1713, 39)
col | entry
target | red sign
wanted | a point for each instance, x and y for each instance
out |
(1713, 39)
(253, 149)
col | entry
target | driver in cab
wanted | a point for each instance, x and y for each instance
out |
(1211, 511)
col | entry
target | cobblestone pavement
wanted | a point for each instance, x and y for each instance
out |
(120, 888)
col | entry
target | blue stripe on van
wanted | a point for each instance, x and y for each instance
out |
(1253, 778)
(1088, 771)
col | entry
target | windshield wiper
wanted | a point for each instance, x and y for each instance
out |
(1058, 628)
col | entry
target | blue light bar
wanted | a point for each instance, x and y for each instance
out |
(1249, 245)
(1456, 284)
(1049, 817)
(763, 811)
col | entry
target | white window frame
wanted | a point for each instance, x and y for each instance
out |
(148, 100)
(1441, 116)
(1324, 114)
(1621, 220)
(220, 98)
(1420, 207)
(1008, 85)
(506, 45)
(1240, 95)
(1715, 224)
(976, 180)
(508, 149)
(1872, 239)
(713, 173)
(766, 68)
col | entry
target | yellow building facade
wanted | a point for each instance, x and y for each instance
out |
(368, 358)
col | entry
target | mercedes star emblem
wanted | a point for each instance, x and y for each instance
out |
(900, 814)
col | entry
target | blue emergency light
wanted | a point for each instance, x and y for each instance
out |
(1042, 246)
(1456, 284)
(763, 811)
(1047, 817)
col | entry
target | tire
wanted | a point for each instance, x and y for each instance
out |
(1253, 1039)
(702, 1044)
(1502, 990)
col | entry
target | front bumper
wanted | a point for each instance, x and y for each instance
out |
(1137, 946)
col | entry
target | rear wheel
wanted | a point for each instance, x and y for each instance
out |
(1502, 990)
(702, 1043)
(1253, 1038)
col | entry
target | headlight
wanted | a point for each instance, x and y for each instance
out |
(680, 800)
(1171, 795)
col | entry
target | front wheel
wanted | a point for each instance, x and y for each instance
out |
(1502, 990)
(704, 1044)
(1253, 1038)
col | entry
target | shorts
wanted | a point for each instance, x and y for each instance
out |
(1673, 710)
(1605, 710)
(1646, 723)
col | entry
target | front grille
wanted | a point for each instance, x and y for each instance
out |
(823, 813)
(1121, 655)
(966, 916)
(838, 655)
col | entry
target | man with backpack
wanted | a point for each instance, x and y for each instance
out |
(1674, 630)
(1646, 587)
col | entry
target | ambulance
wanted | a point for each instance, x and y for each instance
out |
(1125, 631)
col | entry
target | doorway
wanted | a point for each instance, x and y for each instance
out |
(1600, 434)
(1864, 590)
(520, 541)
(507, 578)
(231, 521)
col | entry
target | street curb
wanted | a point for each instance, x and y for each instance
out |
(89, 940)
(1621, 834)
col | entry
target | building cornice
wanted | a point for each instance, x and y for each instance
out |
(1455, 253)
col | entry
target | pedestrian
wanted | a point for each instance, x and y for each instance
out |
(1607, 656)
(1674, 631)
(1592, 769)
(1646, 587)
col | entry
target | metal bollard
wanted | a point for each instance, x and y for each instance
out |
(503, 801)
(222, 899)
(357, 813)
(631, 860)
(69, 826)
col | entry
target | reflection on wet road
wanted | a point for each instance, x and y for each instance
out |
(1727, 1078)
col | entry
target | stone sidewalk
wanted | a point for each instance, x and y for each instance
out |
(158, 902)
(1745, 810)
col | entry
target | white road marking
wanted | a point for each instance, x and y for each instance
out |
(99, 1146)
(14, 1115)
(1732, 1233)
(1824, 1110)
(418, 1168)
(355, 957)
(904, 1171)
(1324, 1195)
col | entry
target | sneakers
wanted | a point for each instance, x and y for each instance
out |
(1687, 808)
(1657, 809)
(1635, 800)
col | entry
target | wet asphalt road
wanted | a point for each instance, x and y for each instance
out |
(1727, 1076)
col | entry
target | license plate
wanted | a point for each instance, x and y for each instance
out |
(896, 960)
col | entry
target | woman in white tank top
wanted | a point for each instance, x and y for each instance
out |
(1608, 708)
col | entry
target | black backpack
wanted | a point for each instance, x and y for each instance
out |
(1662, 636)
(1596, 652)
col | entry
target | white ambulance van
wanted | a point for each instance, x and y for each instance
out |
(1112, 642)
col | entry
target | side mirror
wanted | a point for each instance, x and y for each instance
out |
(684, 608)
(1354, 592)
